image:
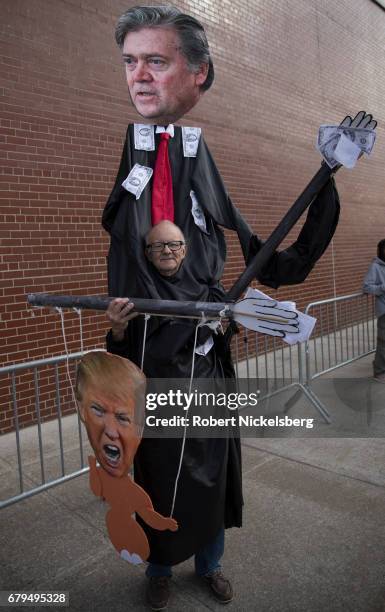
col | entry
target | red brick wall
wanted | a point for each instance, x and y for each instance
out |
(282, 69)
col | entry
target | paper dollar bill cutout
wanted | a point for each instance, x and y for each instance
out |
(343, 145)
(261, 313)
(137, 180)
(144, 137)
(206, 347)
(197, 213)
(190, 137)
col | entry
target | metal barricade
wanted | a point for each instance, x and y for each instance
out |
(41, 477)
(345, 331)
(274, 368)
(270, 365)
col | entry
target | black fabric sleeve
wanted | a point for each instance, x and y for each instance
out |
(118, 348)
(114, 200)
(213, 197)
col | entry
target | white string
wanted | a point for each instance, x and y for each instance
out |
(146, 318)
(79, 313)
(203, 321)
(60, 311)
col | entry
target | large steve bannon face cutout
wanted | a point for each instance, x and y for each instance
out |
(161, 84)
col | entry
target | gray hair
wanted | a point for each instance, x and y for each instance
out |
(194, 45)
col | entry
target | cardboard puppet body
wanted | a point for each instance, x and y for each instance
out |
(125, 497)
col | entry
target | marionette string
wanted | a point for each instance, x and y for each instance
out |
(146, 318)
(79, 313)
(200, 324)
(60, 311)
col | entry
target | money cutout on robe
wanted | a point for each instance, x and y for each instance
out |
(190, 138)
(144, 137)
(137, 180)
(197, 213)
(339, 144)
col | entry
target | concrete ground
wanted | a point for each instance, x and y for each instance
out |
(314, 525)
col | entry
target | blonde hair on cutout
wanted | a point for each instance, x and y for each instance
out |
(112, 375)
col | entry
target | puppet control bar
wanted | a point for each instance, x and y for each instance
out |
(211, 310)
(257, 314)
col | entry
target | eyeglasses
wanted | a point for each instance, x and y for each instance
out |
(173, 245)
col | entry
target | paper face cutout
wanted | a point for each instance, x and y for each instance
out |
(111, 428)
(110, 391)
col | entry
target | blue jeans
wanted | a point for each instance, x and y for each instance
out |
(207, 560)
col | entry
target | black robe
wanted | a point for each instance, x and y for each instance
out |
(209, 492)
(128, 220)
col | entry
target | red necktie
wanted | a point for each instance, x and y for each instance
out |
(162, 204)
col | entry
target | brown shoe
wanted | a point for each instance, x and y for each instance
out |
(220, 587)
(158, 592)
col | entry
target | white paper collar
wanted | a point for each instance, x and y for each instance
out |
(169, 129)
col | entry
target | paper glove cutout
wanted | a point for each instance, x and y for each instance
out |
(267, 316)
(110, 392)
(345, 143)
(261, 313)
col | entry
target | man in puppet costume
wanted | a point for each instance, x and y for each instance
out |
(209, 492)
(167, 173)
(110, 391)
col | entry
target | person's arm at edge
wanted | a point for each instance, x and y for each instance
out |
(370, 285)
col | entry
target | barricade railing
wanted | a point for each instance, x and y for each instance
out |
(54, 439)
(345, 331)
(271, 366)
(276, 369)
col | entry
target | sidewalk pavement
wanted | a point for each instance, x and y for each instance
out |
(314, 525)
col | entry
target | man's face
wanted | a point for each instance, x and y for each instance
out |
(111, 430)
(166, 260)
(160, 83)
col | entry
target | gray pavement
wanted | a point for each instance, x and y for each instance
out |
(314, 528)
